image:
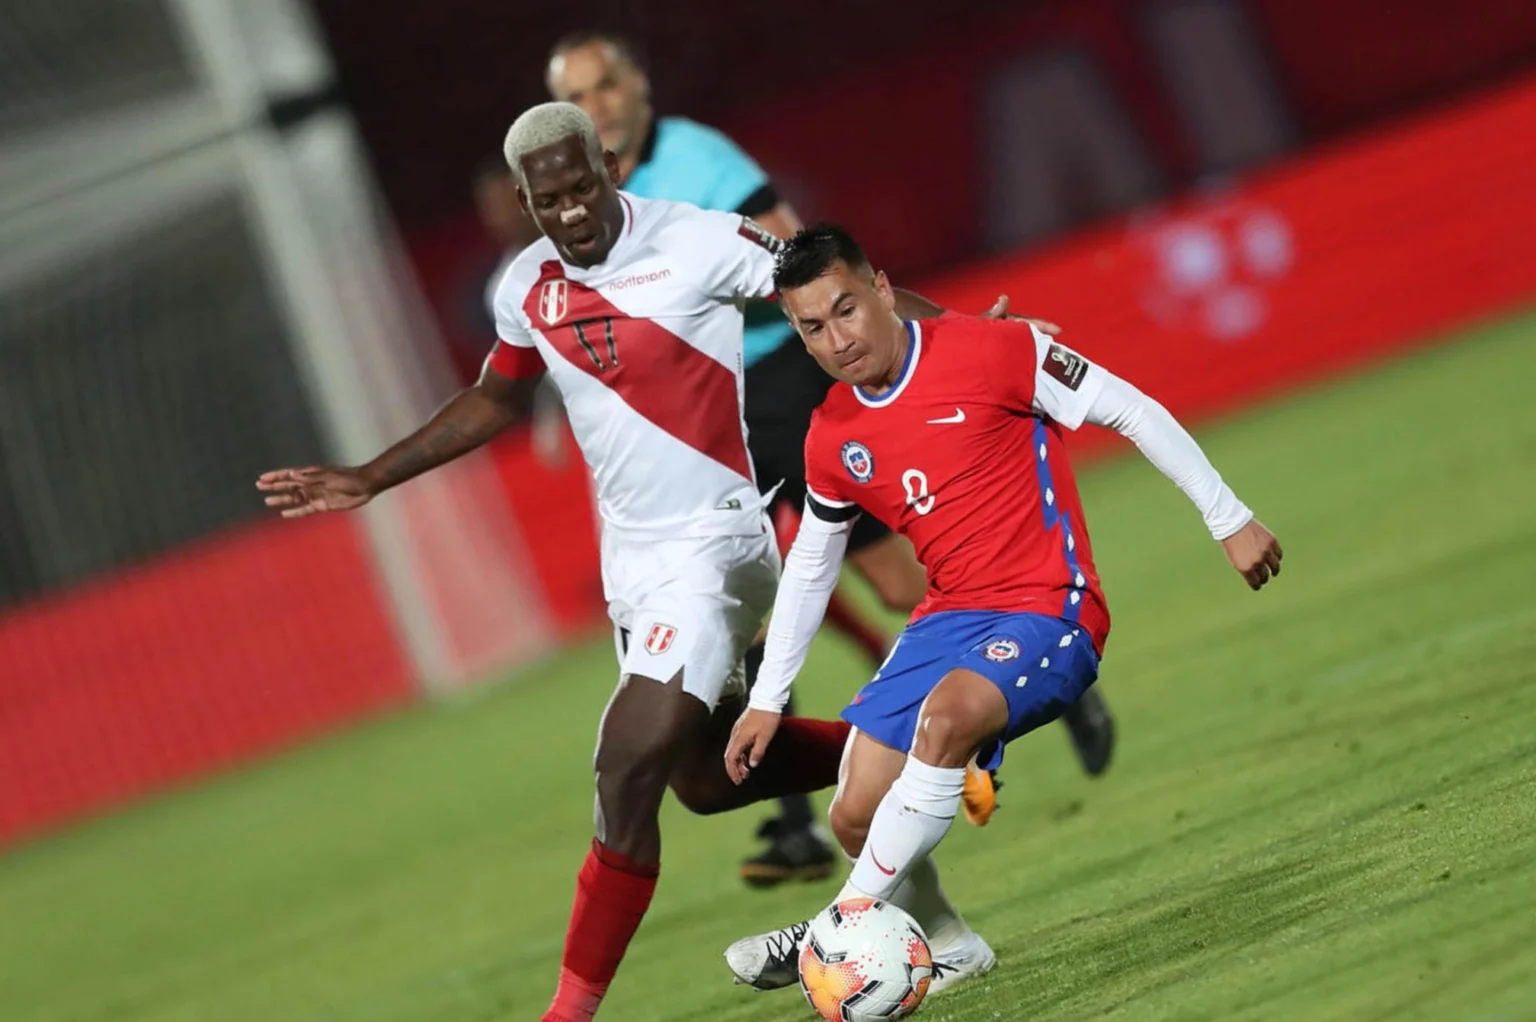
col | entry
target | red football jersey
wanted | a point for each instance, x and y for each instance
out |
(964, 457)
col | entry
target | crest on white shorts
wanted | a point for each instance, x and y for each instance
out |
(858, 461)
(660, 639)
(1001, 650)
(553, 299)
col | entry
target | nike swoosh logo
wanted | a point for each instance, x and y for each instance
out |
(959, 416)
(887, 872)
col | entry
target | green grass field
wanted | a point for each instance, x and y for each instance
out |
(1323, 806)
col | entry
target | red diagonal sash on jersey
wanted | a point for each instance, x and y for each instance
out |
(661, 376)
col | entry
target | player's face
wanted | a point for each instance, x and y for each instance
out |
(847, 318)
(574, 201)
(613, 92)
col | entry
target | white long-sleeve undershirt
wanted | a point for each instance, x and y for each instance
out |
(816, 557)
(1169, 447)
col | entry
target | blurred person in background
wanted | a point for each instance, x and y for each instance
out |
(681, 160)
(501, 215)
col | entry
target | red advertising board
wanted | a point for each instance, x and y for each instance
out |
(1299, 272)
(198, 660)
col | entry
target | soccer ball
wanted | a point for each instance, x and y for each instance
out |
(865, 961)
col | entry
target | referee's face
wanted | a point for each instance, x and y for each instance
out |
(613, 92)
(847, 318)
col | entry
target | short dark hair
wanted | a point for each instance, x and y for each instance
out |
(811, 253)
(622, 45)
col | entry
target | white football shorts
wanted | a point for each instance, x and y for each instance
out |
(689, 604)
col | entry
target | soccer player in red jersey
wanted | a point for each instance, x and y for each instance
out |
(949, 431)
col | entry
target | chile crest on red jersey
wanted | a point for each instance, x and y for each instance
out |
(858, 461)
(973, 471)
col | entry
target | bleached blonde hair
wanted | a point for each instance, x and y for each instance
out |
(545, 125)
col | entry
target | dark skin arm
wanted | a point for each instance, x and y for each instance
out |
(473, 416)
(910, 305)
(915, 306)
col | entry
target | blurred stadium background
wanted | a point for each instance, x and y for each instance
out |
(235, 235)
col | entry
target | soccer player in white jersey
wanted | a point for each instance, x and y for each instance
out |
(633, 308)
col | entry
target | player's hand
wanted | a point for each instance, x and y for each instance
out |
(1254, 552)
(298, 492)
(999, 310)
(749, 740)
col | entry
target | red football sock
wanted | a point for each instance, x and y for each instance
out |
(842, 616)
(612, 894)
(804, 757)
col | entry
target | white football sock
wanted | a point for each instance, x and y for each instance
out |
(911, 820)
(922, 897)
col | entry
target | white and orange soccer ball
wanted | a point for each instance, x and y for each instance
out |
(865, 961)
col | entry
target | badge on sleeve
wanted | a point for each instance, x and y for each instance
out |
(1065, 367)
(758, 235)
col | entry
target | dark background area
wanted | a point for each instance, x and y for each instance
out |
(939, 132)
(435, 85)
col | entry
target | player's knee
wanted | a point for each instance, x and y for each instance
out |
(702, 793)
(849, 826)
(946, 736)
(636, 768)
(621, 792)
(635, 755)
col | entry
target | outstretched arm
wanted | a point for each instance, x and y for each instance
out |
(469, 419)
(810, 575)
(1251, 548)
(473, 416)
(1071, 390)
(1120, 406)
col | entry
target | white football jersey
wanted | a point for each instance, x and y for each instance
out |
(646, 349)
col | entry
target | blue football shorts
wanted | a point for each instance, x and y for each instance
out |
(1041, 664)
